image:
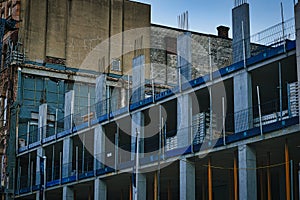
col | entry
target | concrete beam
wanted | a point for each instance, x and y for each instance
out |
(187, 179)
(247, 172)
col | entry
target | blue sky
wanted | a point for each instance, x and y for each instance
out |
(205, 16)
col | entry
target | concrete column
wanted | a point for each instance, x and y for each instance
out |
(69, 109)
(142, 187)
(184, 58)
(247, 172)
(100, 191)
(68, 193)
(99, 131)
(40, 153)
(241, 29)
(138, 78)
(137, 121)
(101, 95)
(138, 93)
(99, 147)
(187, 179)
(242, 102)
(42, 122)
(68, 142)
(184, 116)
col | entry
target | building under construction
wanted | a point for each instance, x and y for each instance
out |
(98, 103)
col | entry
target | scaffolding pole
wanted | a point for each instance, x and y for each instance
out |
(287, 172)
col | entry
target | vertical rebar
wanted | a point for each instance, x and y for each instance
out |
(136, 165)
(28, 169)
(31, 176)
(280, 89)
(56, 118)
(287, 172)
(209, 174)
(292, 179)
(76, 160)
(83, 152)
(116, 147)
(223, 120)
(235, 176)
(128, 91)
(89, 109)
(28, 132)
(60, 166)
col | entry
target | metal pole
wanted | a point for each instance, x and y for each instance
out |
(235, 177)
(89, 109)
(116, 147)
(60, 166)
(280, 89)
(45, 180)
(287, 172)
(210, 115)
(292, 179)
(31, 176)
(155, 186)
(83, 151)
(210, 195)
(137, 166)
(299, 179)
(128, 92)
(28, 169)
(76, 160)
(223, 120)
(259, 111)
(56, 118)
(28, 131)
(282, 25)
(53, 155)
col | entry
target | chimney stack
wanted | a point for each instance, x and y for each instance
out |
(223, 31)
